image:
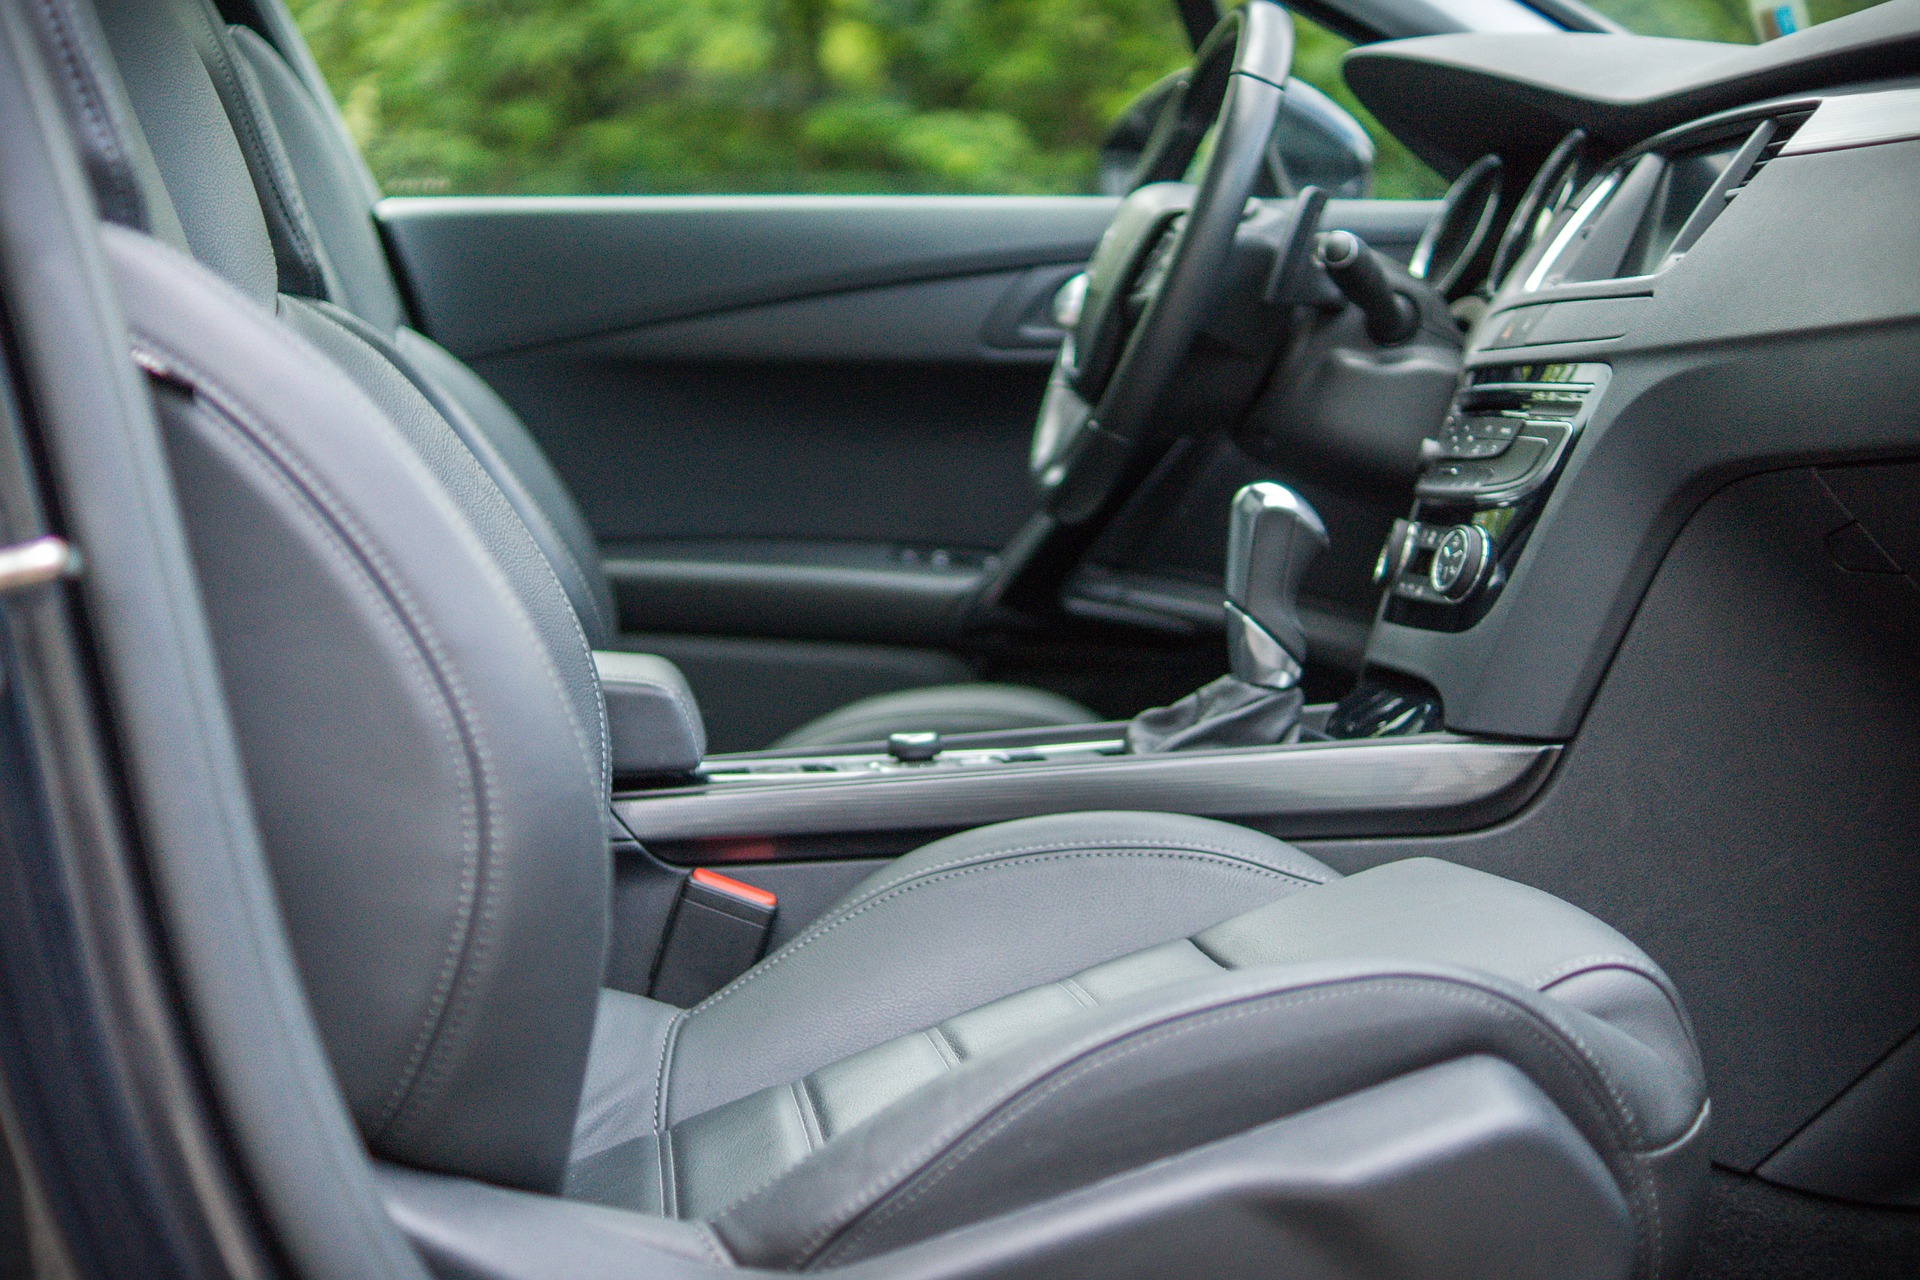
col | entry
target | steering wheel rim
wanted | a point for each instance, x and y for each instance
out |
(1096, 426)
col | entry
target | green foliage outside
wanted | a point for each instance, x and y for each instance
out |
(1725, 20)
(591, 96)
(599, 96)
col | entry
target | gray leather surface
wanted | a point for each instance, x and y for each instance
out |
(1313, 998)
(508, 451)
(620, 1093)
(460, 475)
(300, 257)
(198, 158)
(953, 708)
(966, 920)
(430, 800)
(653, 723)
(332, 182)
(119, 166)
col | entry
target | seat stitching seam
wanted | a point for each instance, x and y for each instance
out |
(401, 611)
(1105, 1055)
(488, 563)
(248, 131)
(661, 1078)
(1053, 853)
(1065, 846)
(1597, 960)
(943, 1045)
(1079, 993)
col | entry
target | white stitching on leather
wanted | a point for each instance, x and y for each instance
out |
(662, 1080)
(1062, 846)
(1598, 960)
(283, 467)
(1106, 1054)
(486, 561)
(999, 859)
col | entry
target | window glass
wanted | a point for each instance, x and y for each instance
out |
(1733, 21)
(1397, 174)
(605, 96)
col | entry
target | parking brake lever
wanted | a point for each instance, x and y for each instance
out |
(1273, 538)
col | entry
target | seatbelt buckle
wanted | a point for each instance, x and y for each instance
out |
(719, 928)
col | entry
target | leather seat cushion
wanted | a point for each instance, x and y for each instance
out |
(1327, 988)
(951, 926)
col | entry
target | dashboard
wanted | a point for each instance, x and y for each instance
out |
(1677, 264)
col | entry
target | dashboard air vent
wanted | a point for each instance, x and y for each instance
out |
(1784, 127)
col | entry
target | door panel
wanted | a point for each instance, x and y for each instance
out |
(499, 274)
(794, 420)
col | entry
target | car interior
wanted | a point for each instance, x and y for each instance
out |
(1228, 728)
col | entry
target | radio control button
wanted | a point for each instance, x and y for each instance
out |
(1396, 553)
(1459, 561)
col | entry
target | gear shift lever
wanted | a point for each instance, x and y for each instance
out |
(1273, 538)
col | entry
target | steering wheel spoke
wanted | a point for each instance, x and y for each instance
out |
(1159, 268)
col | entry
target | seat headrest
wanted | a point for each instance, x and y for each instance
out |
(169, 56)
(330, 201)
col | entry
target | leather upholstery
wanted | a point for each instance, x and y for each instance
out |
(1324, 992)
(206, 181)
(338, 193)
(653, 724)
(430, 799)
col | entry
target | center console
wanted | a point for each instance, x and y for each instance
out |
(1243, 747)
(1492, 466)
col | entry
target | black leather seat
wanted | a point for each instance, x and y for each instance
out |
(1088, 1044)
(318, 197)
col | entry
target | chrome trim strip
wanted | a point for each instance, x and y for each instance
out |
(1858, 120)
(35, 563)
(1437, 782)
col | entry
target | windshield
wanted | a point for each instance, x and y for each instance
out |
(1734, 21)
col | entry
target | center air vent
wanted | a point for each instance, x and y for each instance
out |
(1784, 127)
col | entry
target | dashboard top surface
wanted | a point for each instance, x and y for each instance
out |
(1454, 98)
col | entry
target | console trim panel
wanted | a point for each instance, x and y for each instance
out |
(1425, 784)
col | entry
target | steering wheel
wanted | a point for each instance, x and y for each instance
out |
(1159, 268)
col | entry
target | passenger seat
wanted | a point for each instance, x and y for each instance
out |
(318, 196)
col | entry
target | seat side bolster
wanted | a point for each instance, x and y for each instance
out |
(1153, 1075)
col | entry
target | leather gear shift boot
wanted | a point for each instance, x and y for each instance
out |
(1227, 713)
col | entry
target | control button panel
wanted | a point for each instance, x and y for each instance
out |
(1458, 560)
(1508, 430)
(1488, 471)
(1438, 564)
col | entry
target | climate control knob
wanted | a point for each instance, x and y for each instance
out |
(1459, 560)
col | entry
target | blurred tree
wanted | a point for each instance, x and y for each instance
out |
(590, 96)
